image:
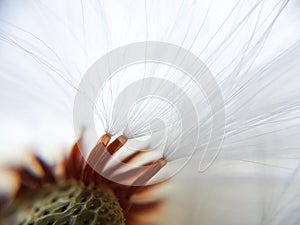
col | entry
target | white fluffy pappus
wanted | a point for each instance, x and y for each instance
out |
(47, 47)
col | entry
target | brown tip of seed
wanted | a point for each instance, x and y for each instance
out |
(117, 144)
(104, 139)
(123, 139)
(162, 162)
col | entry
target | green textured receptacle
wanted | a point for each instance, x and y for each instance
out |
(66, 203)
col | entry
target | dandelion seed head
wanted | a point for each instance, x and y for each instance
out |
(143, 109)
